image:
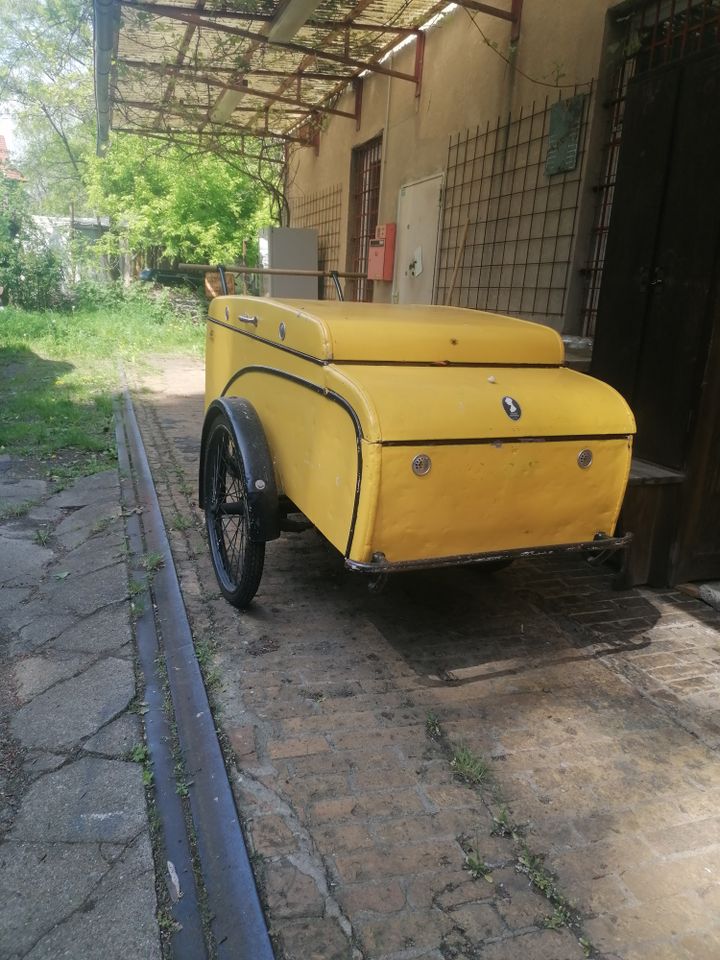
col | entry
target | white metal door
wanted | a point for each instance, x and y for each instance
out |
(416, 244)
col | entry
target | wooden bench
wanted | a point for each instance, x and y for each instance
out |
(650, 513)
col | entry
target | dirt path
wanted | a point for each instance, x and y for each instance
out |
(350, 718)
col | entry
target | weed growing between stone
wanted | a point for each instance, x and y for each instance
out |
(152, 562)
(16, 510)
(468, 767)
(475, 773)
(181, 523)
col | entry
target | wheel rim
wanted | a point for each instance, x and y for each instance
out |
(227, 514)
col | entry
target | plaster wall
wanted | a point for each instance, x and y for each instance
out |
(467, 81)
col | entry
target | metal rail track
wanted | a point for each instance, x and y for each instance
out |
(235, 917)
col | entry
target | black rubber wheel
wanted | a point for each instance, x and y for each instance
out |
(238, 560)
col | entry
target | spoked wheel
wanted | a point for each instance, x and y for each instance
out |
(238, 560)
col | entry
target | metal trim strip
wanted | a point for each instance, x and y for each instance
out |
(498, 441)
(335, 398)
(387, 566)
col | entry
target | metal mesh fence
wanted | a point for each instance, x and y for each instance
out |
(508, 227)
(322, 212)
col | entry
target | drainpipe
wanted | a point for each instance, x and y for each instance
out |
(106, 18)
(386, 136)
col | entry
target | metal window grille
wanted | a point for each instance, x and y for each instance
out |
(322, 212)
(656, 33)
(365, 199)
(508, 228)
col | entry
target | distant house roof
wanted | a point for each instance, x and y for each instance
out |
(6, 170)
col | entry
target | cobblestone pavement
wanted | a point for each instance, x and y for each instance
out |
(76, 866)
(351, 716)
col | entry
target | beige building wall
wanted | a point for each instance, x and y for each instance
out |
(469, 79)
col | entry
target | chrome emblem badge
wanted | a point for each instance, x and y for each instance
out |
(511, 408)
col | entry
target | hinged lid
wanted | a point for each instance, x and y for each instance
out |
(330, 330)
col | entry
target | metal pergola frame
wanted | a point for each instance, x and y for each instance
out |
(193, 67)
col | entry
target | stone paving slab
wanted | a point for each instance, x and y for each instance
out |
(595, 713)
(16, 492)
(101, 631)
(22, 562)
(56, 807)
(34, 675)
(70, 710)
(77, 876)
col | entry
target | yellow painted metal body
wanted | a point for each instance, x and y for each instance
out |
(349, 394)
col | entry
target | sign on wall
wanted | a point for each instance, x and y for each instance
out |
(566, 118)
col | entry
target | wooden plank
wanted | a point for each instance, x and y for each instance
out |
(649, 512)
(641, 471)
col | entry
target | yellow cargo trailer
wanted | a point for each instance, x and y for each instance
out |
(410, 436)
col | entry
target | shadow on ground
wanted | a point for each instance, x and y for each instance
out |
(48, 411)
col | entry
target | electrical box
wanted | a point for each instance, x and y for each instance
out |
(292, 248)
(381, 255)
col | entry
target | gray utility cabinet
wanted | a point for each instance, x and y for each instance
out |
(295, 248)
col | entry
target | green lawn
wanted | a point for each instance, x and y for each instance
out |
(60, 371)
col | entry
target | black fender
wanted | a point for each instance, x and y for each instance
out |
(262, 495)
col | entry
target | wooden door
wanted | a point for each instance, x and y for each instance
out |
(658, 318)
(697, 550)
(696, 555)
(677, 322)
(637, 204)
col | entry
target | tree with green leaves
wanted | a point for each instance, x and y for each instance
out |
(186, 209)
(30, 272)
(46, 75)
(192, 197)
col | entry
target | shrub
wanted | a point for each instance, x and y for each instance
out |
(31, 274)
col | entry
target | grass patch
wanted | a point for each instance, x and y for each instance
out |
(152, 562)
(204, 653)
(139, 753)
(16, 510)
(468, 767)
(59, 372)
(136, 587)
